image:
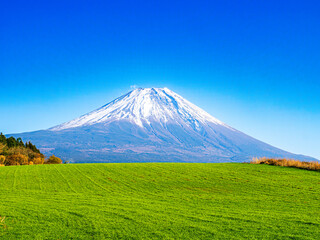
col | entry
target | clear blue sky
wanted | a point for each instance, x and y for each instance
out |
(252, 64)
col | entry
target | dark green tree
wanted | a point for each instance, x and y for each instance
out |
(3, 139)
(11, 142)
(19, 142)
(32, 147)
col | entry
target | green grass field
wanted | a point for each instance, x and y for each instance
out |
(159, 201)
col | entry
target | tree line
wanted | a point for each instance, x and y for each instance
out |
(15, 152)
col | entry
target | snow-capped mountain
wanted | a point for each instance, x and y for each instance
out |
(150, 124)
(145, 106)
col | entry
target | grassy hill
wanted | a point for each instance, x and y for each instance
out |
(159, 201)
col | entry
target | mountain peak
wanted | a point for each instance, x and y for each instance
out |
(151, 124)
(144, 106)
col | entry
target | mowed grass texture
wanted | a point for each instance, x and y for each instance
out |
(159, 201)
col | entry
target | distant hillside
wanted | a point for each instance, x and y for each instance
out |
(159, 201)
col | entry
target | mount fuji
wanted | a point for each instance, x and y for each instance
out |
(150, 125)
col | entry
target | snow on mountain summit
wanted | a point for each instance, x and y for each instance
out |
(143, 106)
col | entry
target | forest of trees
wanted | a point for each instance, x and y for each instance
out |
(15, 152)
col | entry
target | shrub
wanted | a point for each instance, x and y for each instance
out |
(53, 160)
(16, 159)
(37, 160)
(2, 159)
(315, 166)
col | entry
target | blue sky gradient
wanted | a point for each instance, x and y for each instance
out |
(252, 64)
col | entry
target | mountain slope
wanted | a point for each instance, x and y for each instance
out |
(151, 124)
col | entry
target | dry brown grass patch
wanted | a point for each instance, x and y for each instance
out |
(2, 222)
(315, 166)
